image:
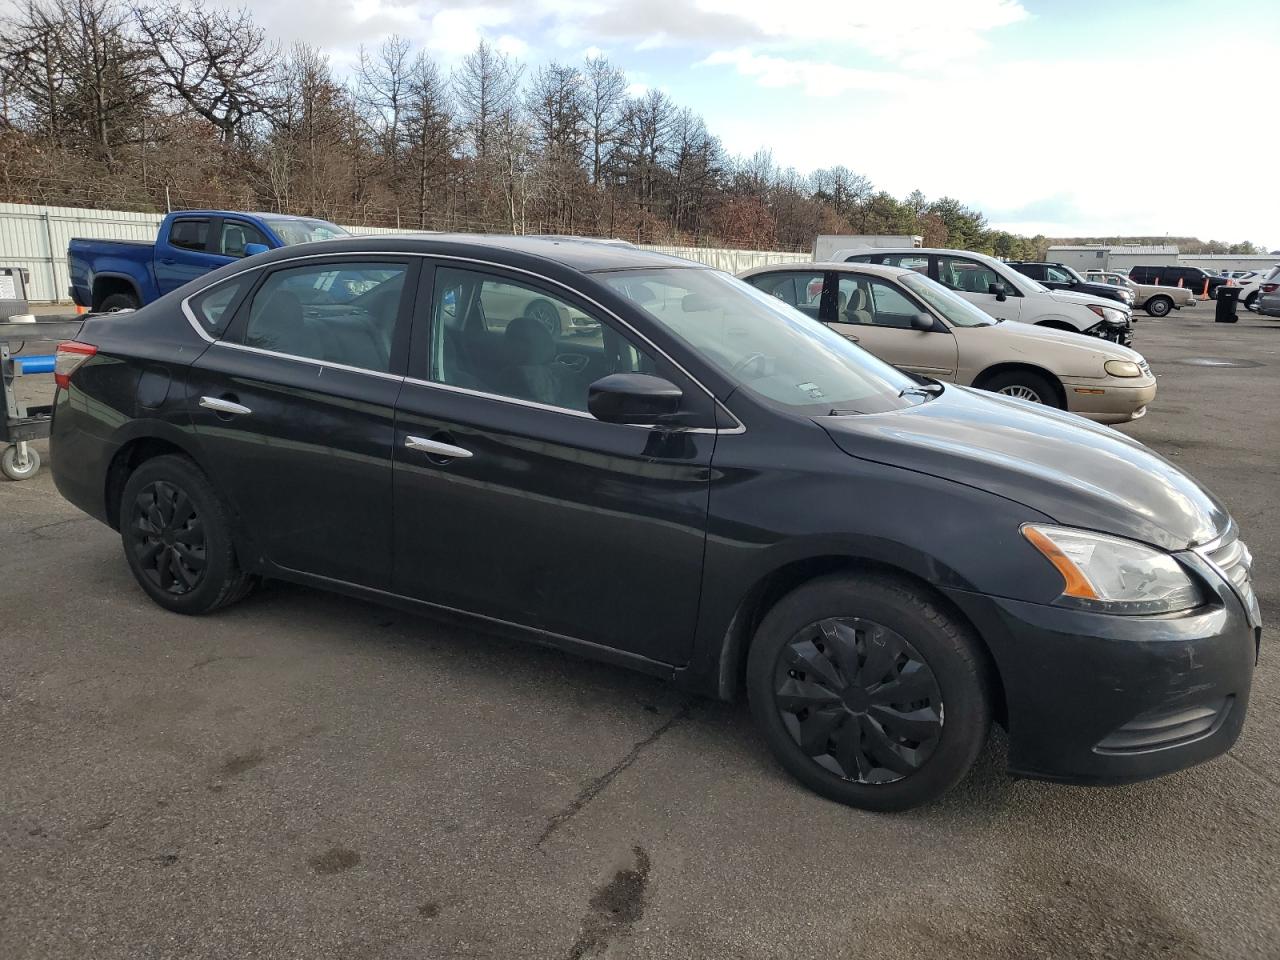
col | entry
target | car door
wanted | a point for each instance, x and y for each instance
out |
(186, 254)
(973, 279)
(514, 503)
(294, 409)
(877, 315)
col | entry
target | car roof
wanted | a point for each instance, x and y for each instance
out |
(840, 266)
(583, 255)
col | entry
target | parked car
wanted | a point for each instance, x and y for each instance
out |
(1058, 276)
(720, 492)
(1004, 293)
(1268, 302)
(922, 327)
(1250, 287)
(1189, 278)
(1157, 301)
(126, 274)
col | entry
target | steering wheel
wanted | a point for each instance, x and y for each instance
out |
(747, 361)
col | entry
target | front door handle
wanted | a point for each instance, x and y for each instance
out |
(223, 406)
(445, 451)
(849, 336)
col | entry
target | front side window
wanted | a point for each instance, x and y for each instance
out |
(865, 300)
(800, 289)
(763, 345)
(969, 276)
(235, 234)
(189, 234)
(513, 339)
(214, 307)
(336, 312)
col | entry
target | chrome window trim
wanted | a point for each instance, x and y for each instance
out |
(195, 324)
(331, 364)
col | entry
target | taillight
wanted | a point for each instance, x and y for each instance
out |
(1269, 287)
(70, 355)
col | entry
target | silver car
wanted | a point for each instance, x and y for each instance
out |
(1268, 302)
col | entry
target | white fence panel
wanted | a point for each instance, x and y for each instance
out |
(36, 238)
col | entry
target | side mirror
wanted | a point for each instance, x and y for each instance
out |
(922, 322)
(997, 290)
(253, 249)
(633, 398)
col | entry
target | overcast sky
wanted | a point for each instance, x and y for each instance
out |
(1062, 117)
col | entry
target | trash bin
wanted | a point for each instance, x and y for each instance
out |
(1228, 297)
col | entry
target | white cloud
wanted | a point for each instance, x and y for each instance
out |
(817, 79)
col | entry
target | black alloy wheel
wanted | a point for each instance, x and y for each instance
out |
(859, 700)
(168, 538)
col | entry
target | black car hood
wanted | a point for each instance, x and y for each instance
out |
(1079, 473)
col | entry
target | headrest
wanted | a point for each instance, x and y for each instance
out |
(528, 342)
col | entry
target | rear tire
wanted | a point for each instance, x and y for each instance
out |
(868, 693)
(1158, 306)
(1251, 301)
(177, 538)
(1024, 385)
(118, 301)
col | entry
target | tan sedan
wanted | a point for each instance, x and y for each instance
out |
(922, 327)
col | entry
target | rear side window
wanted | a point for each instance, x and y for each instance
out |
(189, 234)
(802, 290)
(214, 308)
(911, 261)
(336, 312)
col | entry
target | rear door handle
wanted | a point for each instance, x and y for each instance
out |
(446, 451)
(223, 406)
(849, 336)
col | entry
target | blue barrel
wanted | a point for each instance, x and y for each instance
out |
(38, 364)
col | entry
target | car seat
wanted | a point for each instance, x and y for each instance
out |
(530, 372)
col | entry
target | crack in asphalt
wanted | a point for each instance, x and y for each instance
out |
(594, 788)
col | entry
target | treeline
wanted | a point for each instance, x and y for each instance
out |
(157, 104)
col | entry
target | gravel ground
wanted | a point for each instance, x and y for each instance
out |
(305, 775)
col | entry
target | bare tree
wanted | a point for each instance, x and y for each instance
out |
(428, 126)
(604, 91)
(383, 82)
(486, 86)
(218, 62)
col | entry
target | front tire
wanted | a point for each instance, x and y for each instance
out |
(177, 538)
(1251, 301)
(868, 693)
(1159, 306)
(1024, 385)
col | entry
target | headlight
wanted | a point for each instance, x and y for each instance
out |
(1110, 314)
(1113, 575)
(1122, 368)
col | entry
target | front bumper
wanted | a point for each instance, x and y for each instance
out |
(1114, 332)
(1115, 403)
(1098, 698)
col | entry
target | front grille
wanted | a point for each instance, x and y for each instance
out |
(1235, 561)
(1165, 728)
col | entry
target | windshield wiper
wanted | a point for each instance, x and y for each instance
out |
(930, 389)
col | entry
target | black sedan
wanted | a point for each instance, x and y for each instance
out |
(709, 488)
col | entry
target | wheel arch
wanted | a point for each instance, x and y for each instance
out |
(106, 284)
(761, 597)
(134, 451)
(996, 369)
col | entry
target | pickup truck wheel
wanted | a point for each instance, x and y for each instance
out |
(119, 301)
(1158, 306)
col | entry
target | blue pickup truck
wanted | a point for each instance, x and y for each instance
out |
(126, 274)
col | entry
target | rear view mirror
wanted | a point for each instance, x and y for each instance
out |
(633, 398)
(253, 249)
(922, 322)
(997, 290)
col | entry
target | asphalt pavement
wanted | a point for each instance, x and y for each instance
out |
(304, 775)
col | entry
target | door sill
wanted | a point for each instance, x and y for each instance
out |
(544, 638)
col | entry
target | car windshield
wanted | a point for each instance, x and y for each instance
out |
(293, 230)
(954, 308)
(764, 345)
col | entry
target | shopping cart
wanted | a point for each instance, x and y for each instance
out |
(21, 422)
